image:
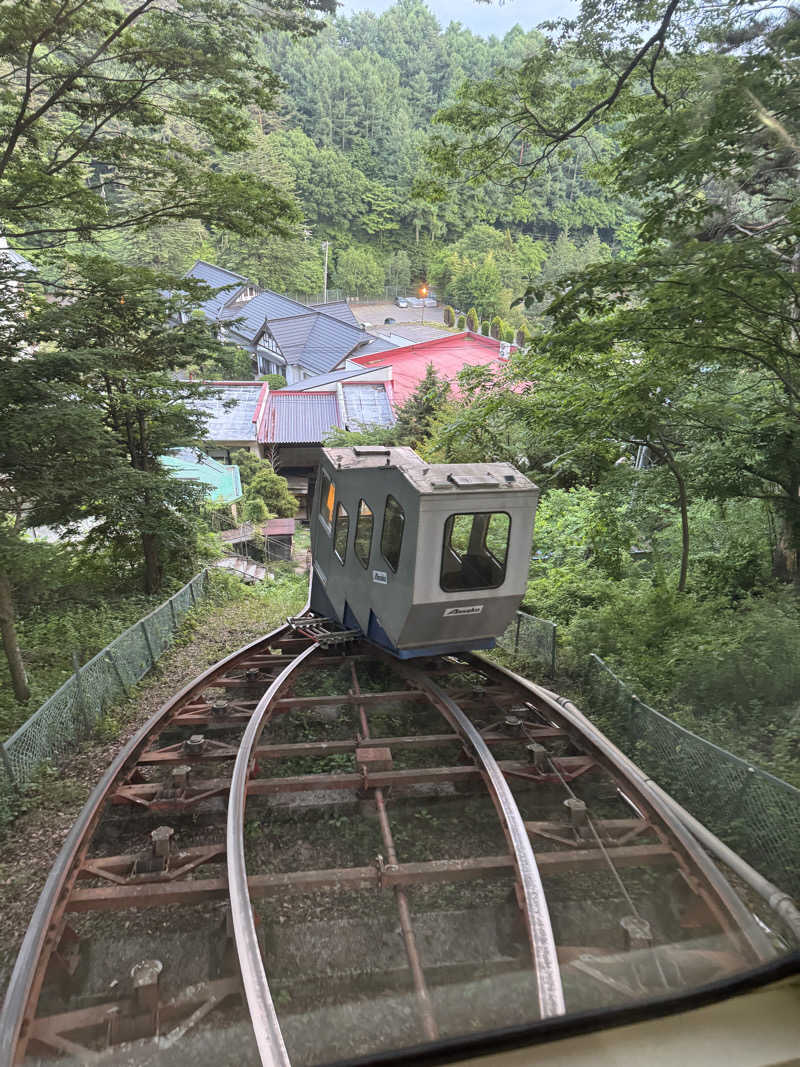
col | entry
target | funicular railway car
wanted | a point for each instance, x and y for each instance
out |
(420, 558)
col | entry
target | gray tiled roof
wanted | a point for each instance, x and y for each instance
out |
(337, 309)
(234, 423)
(267, 305)
(216, 277)
(315, 341)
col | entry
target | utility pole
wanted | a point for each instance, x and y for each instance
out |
(325, 245)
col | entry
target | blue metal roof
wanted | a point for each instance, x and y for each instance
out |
(232, 410)
(366, 404)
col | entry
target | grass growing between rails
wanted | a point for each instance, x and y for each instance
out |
(232, 615)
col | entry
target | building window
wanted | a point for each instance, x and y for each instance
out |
(362, 543)
(475, 551)
(341, 530)
(327, 492)
(394, 520)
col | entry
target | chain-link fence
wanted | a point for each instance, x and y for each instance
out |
(752, 811)
(74, 709)
(531, 639)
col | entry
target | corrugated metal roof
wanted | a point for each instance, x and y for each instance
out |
(234, 422)
(337, 309)
(299, 418)
(216, 277)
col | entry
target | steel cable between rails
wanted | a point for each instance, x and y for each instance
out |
(271, 1046)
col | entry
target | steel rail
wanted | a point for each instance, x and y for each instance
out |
(778, 901)
(536, 912)
(43, 929)
(271, 1046)
(724, 902)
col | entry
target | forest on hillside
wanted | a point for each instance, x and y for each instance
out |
(627, 182)
(347, 139)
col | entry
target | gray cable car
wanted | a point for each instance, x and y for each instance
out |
(420, 558)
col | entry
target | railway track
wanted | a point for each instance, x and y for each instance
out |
(312, 854)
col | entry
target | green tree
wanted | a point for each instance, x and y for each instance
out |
(272, 490)
(485, 327)
(461, 324)
(358, 272)
(121, 346)
(82, 152)
(472, 320)
(414, 417)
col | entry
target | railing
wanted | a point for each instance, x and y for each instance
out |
(752, 811)
(74, 709)
(531, 639)
(386, 295)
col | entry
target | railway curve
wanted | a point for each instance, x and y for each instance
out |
(617, 903)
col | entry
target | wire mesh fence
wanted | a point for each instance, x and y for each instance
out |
(531, 639)
(74, 709)
(752, 811)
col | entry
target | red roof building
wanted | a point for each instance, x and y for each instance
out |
(448, 354)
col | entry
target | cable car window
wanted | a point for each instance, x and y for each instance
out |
(475, 551)
(340, 532)
(327, 492)
(362, 543)
(394, 519)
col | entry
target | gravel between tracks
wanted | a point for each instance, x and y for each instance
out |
(229, 618)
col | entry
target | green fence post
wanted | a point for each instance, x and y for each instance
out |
(516, 634)
(148, 642)
(113, 661)
(173, 613)
(191, 593)
(553, 652)
(8, 768)
(79, 698)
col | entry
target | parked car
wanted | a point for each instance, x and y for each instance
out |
(415, 302)
(401, 301)
(431, 302)
(389, 321)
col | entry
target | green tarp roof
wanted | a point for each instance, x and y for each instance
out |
(223, 481)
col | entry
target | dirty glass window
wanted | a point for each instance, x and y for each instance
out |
(341, 530)
(362, 543)
(475, 551)
(394, 519)
(327, 492)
